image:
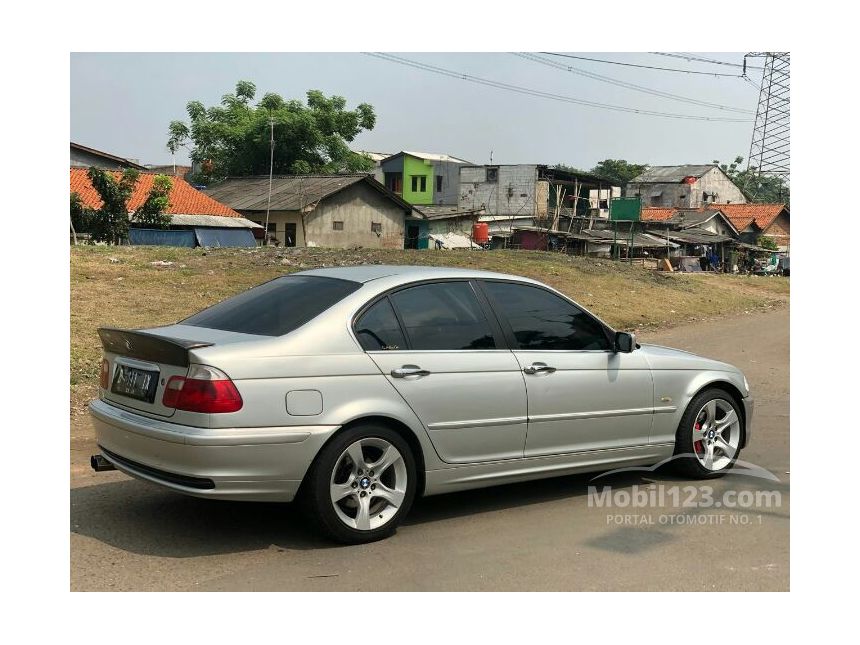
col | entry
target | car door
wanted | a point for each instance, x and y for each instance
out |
(441, 348)
(582, 395)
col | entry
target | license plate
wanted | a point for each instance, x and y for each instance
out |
(135, 383)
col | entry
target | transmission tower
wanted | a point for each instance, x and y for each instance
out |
(770, 150)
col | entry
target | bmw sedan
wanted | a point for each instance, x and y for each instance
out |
(354, 390)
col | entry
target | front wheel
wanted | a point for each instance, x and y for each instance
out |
(362, 484)
(709, 436)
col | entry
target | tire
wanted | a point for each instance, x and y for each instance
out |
(698, 436)
(371, 503)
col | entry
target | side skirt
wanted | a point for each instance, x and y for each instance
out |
(449, 480)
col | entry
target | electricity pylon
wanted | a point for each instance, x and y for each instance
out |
(770, 150)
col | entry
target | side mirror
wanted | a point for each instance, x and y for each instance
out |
(624, 342)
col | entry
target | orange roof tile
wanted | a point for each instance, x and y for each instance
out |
(184, 198)
(657, 214)
(741, 215)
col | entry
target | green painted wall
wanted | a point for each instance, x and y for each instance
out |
(413, 166)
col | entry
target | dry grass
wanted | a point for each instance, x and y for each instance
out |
(120, 287)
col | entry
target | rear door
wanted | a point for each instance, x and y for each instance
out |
(582, 395)
(441, 349)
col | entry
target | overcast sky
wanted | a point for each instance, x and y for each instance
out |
(123, 103)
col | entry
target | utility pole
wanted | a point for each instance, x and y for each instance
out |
(770, 150)
(271, 166)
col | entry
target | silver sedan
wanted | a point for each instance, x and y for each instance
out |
(356, 389)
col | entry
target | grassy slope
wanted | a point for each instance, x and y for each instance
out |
(120, 287)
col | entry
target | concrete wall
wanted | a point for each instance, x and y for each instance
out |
(515, 192)
(279, 219)
(83, 159)
(357, 207)
(681, 195)
(450, 173)
(461, 225)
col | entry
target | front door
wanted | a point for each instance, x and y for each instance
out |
(441, 350)
(581, 394)
(290, 234)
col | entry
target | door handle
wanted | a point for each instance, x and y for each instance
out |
(409, 370)
(535, 368)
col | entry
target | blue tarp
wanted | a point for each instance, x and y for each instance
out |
(157, 237)
(225, 237)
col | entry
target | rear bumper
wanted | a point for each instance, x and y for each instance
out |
(749, 408)
(254, 464)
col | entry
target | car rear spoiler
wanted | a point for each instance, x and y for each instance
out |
(148, 347)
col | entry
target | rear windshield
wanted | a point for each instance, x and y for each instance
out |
(274, 308)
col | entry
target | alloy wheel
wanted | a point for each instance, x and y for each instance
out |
(716, 434)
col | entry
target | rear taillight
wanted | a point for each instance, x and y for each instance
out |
(205, 389)
(103, 377)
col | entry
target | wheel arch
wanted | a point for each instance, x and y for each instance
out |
(731, 389)
(392, 423)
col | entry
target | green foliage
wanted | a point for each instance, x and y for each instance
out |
(767, 190)
(768, 243)
(232, 139)
(81, 216)
(618, 170)
(152, 213)
(110, 222)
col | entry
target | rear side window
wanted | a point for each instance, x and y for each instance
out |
(275, 308)
(443, 316)
(378, 329)
(542, 320)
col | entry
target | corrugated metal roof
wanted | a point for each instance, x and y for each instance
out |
(671, 174)
(441, 211)
(290, 192)
(430, 156)
(212, 220)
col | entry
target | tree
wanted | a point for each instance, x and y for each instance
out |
(768, 243)
(232, 139)
(767, 189)
(618, 170)
(110, 223)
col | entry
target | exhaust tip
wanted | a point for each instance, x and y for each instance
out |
(99, 464)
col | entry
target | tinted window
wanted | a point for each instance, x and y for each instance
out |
(378, 328)
(445, 315)
(542, 320)
(274, 308)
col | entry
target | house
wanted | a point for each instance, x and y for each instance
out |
(84, 157)
(377, 159)
(527, 194)
(195, 218)
(423, 178)
(339, 211)
(687, 186)
(429, 223)
(770, 220)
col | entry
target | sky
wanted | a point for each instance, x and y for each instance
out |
(122, 103)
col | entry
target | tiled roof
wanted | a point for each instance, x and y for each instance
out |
(184, 198)
(741, 214)
(657, 214)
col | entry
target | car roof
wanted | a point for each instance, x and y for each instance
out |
(365, 273)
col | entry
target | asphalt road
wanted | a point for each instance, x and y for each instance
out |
(128, 535)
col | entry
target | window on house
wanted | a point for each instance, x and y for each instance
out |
(492, 174)
(376, 227)
(419, 183)
(337, 226)
(438, 183)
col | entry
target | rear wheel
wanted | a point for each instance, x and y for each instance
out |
(362, 484)
(709, 436)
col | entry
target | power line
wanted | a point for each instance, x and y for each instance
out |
(630, 86)
(662, 69)
(541, 94)
(690, 57)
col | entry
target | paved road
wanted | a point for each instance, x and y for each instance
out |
(127, 535)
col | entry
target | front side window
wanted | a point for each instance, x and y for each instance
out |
(378, 329)
(540, 319)
(276, 307)
(443, 316)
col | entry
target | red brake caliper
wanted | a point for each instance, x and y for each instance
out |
(697, 445)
